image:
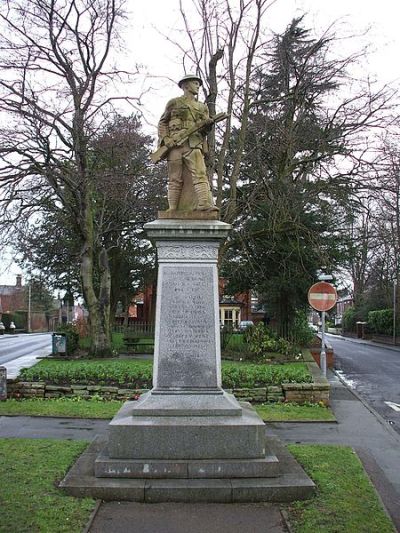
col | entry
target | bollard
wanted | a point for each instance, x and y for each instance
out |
(3, 383)
(2, 328)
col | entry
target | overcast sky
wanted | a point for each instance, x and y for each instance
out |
(149, 20)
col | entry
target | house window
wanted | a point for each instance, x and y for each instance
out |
(228, 319)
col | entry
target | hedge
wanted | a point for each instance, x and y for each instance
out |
(381, 321)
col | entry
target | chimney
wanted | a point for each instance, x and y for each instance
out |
(19, 281)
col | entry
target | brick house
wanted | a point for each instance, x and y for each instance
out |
(14, 307)
(233, 309)
(12, 298)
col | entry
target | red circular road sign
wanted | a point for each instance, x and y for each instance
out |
(322, 296)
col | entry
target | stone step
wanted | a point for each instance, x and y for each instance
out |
(292, 484)
(179, 469)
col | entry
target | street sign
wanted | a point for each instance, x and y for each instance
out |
(322, 296)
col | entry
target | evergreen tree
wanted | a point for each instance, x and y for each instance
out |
(297, 176)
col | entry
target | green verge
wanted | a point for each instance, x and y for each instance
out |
(137, 373)
(78, 407)
(29, 499)
(65, 407)
(345, 501)
(292, 412)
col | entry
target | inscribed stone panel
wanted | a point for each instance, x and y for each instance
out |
(187, 353)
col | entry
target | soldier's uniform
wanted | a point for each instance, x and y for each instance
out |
(181, 114)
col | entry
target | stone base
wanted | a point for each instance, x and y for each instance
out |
(184, 403)
(189, 469)
(292, 483)
(188, 215)
(186, 437)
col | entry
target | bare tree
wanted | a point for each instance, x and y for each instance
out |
(53, 81)
(223, 50)
(388, 211)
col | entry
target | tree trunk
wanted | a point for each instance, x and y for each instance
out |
(98, 307)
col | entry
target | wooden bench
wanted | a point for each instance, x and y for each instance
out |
(131, 342)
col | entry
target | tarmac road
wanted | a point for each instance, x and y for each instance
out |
(22, 350)
(373, 371)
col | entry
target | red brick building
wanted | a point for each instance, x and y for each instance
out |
(12, 298)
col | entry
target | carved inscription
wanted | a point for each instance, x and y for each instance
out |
(188, 251)
(187, 327)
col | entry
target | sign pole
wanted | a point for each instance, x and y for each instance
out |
(323, 352)
(322, 296)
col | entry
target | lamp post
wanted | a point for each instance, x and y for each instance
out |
(29, 307)
(394, 309)
(59, 309)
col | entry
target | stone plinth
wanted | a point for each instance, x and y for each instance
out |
(187, 353)
(187, 415)
(186, 439)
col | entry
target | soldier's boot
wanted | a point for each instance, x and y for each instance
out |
(204, 198)
(173, 199)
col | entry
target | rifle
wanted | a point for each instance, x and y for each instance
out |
(162, 152)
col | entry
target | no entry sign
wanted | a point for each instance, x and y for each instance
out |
(322, 296)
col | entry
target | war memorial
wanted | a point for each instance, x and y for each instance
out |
(187, 440)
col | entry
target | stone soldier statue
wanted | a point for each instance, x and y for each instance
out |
(182, 133)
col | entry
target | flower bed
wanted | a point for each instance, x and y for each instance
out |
(125, 379)
(137, 374)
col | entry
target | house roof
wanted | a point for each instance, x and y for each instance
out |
(230, 301)
(7, 290)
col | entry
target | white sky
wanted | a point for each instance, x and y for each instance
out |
(149, 20)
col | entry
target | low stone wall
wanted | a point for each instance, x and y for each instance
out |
(39, 389)
(315, 392)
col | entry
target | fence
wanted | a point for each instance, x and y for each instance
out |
(136, 329)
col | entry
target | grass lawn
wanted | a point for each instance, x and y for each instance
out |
(29, 499)
(65, 407)
(117, 342)
(292, 412)
(345, 502)
(81, 408)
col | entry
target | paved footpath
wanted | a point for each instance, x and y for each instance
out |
(376, 443)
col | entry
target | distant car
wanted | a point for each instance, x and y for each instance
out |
(313, 327)
(244, 324)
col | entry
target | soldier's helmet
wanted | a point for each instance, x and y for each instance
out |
(189, 77)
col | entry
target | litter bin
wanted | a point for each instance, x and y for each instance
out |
(59, 343)
(361, 329)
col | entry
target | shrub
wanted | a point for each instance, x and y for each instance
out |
(349, 319)
(381, 321)
(300, 333)
(262, 341)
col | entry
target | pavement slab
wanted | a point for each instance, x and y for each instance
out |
(130, 517)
